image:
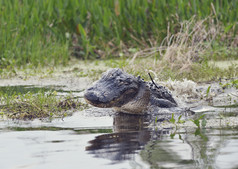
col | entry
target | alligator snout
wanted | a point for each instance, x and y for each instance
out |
(95, 98)
(99, 97)
(91, 96)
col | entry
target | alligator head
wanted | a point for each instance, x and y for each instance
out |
(119, 90)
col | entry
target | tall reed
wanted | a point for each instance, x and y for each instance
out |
(40, 32)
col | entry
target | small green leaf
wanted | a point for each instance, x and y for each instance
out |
(82, 31)
(179, 120)
(197, 121)
(197, 132)
(227, 28)
(172, 135)
(201, 117)
(172, 120)
(180, 137)
(208, 90)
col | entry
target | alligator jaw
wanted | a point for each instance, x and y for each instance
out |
(94, 99)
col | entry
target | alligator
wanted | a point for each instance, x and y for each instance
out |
(128, 94)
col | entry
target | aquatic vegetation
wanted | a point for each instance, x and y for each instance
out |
(180, 121)
(197, 121)
(38, 104)
(208, 91)
(172, 120)
(232, 83)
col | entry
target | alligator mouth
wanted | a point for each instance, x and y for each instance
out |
(102, 102)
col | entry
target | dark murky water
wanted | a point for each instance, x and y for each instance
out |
(100, 140)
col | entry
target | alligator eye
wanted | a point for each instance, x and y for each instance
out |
(125, 83)
(121, 82)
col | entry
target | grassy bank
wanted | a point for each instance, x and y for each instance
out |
(49, 32)
(30, 103)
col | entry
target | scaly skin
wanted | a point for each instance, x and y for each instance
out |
(127, 93)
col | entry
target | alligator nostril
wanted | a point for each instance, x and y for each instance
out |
(90, 96)
(90, 88)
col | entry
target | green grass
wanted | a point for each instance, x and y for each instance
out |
(20, 103)
(47, 32)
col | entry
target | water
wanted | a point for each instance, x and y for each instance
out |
(98, 138)
(119, 141)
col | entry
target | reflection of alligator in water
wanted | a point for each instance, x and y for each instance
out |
(130, 135)
(128, 94)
